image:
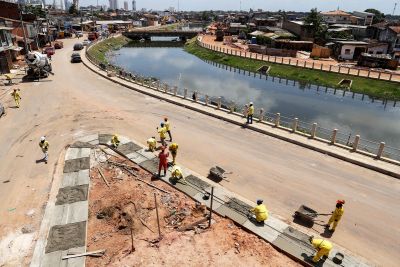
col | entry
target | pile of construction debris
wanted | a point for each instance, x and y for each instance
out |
(139, 222)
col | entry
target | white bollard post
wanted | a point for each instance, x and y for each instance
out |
(380, 150)
(261, 117)
(295, 125)
(175, 90)
(313, 130)
(356, 142)
(185, 91)
(195, 96)
(277, 119)
(333, 138)
(207, 100)
(219, 103)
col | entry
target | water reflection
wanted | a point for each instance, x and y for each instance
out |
(330, 108)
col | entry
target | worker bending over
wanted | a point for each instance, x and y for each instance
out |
(260, 211)
(115, 141)
(44, 145)
(177, 174)
(152, 143)
(17, 97)
(163, 161)
(336, 215)
(168, 128)
(322, 246)
(174, 151)
(162, 131)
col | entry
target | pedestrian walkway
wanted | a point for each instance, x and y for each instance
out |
(65, 220)
(207, 42)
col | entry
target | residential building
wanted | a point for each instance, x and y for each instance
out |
(349, 50)
(338, 17)
(365, 18)
(5, 49)
(299, 28)
(113, 4)
(126, 6)
(391, 35)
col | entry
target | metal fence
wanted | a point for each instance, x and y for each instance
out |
(367, 73)
(336, 137)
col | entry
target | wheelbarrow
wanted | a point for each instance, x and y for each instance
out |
(217, 174)
(307, 215)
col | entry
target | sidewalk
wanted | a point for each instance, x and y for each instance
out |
(316, 144)
(64, 225)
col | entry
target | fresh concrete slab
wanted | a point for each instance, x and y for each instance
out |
(75, 178)
(80, 144)
(150, 165)
(145, 153)
(71, 194)
(74, 165)
(136, 157)
(187, 189)
(227, 211)
(67, 236)
(105, 139)
(128, 148)
(75, 153)
(197, 182)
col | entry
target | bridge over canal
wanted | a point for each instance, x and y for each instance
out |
(147, 34)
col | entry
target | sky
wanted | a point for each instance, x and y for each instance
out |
(385, 6)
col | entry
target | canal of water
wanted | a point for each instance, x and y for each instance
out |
(374, 120)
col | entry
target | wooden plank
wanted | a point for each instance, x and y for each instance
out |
(102, 176)
(97, 253)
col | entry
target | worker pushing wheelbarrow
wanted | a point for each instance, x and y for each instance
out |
(307, 215)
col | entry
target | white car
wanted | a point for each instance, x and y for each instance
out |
(79, 34)
(86, 42)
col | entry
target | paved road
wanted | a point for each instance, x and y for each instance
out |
(76, 102)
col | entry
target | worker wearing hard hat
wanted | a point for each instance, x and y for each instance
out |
(168, 128)
(17, 97)
(44, 145)
(115, 141)
(322, 246)
(152, 143)
(336, 215)
(250, 113)
(177, 174)
(174, 151)
(260, 211)
(162, 131)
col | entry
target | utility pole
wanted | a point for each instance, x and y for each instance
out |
(394, 9)
(240, 6)
(23, 28)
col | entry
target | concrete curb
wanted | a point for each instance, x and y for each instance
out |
(318, 146)
(276, 232)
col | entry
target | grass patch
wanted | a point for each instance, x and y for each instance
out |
(98, 51)
(375, 88)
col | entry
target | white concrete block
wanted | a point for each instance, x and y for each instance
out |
(75, 153)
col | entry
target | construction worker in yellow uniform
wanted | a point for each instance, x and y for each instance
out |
(174, 151)
(168, 128)
(17, 97)
(177, 174)
(115, 141)
(260, 211)
(162, 132)
(336, 215)
(250, 113)
(44, 145)
(322, 246)
(152, 143)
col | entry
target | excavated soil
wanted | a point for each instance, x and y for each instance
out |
(127, 207)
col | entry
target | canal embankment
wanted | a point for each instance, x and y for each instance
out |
(372, 87)
(352, 153)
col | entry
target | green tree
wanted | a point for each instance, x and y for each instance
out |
(36, 10)
(378, 16)
(73, 10)
(316, 23)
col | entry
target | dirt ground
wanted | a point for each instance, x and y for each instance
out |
(129, 204)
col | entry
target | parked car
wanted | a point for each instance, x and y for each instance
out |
(86, 42)
(49, 51)
(76, 58)
(2, 111)
(78, 46)
(79, 34)
(58, 44)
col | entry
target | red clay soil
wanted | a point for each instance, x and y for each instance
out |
(129, 203)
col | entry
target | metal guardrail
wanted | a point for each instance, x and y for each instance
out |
(354, 143)
(372, 74)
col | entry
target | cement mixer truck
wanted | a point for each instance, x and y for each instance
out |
(39, 65)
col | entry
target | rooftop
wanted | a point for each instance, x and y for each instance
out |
(396, 29)
(336, 13)
(352, 42)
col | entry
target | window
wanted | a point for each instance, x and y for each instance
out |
(347, 51)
